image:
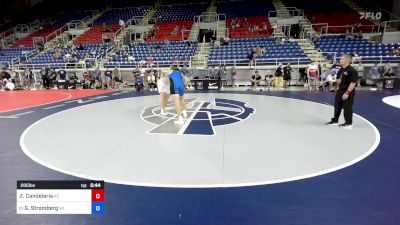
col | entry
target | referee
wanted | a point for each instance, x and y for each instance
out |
(346, 81)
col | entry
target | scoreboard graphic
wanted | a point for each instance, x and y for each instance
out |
(60, 197)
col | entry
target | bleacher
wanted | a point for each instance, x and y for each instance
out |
(48, 29)
(163, 54)
(369, 52)
(180, 12)
(94, 34)
(8, 54)
(113, 16)
(47, 59)
(244, 32)
(165, 29)
(243, 40)
(238, 50)
(28, 40)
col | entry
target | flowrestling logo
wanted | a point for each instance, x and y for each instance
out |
(202, 117)
(370, 15)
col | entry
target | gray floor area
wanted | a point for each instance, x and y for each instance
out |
(285, 139)
(392, 100)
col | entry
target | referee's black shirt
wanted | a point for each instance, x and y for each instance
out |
(348, 75)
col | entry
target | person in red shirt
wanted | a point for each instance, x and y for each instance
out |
(313, 74)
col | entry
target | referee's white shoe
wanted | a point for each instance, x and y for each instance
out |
(346, 126)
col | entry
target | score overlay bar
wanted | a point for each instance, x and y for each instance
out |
(60, 197)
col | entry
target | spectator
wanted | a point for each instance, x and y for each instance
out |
(5, 77)
(139, 82)
(255, 80)
(269, 79)
(233, 76)
(195, 73)
(53, 77)
(44, 73)
(225, 40)
(303, 75)
(386, 67)
(278, 77)
(108, 78)
(251, 28)
(185, 70)
(245, 22)
(116, 72)
(348, 35)
(238, 25)
(62, 77)
(264, 28)
(9, 86)
(175, 30)
(217, 43)
(142, 63)
(15, 78)
(80, 47)
(356, 58)
(374, 74)
(166, 42)
(331, 80)
(152, 81)
(356, 28)
(98, 78)
(131, 58)
(210, 71)
(116, 82)
(313, 74)
(150, 61)
(56, 55)
(233, 24)
(89, 79)
(29, 79)
(287, 75)
(390, 74)
(251, 58)
(324, 75)
(283, 41)
(359, 34)
(317, 36)
(186, 80)
(176, 61)
(73, 81)
(106, 28)
(188, 43)
(256, 28)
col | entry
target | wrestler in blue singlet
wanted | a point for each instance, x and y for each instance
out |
(177, 84)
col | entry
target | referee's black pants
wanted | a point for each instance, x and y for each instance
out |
(346, 105)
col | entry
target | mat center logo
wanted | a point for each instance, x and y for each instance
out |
(202, 117)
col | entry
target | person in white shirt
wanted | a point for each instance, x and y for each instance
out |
(131, 58)
(331, 80)
(151, 81)
(163, 86)
(9, 86)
